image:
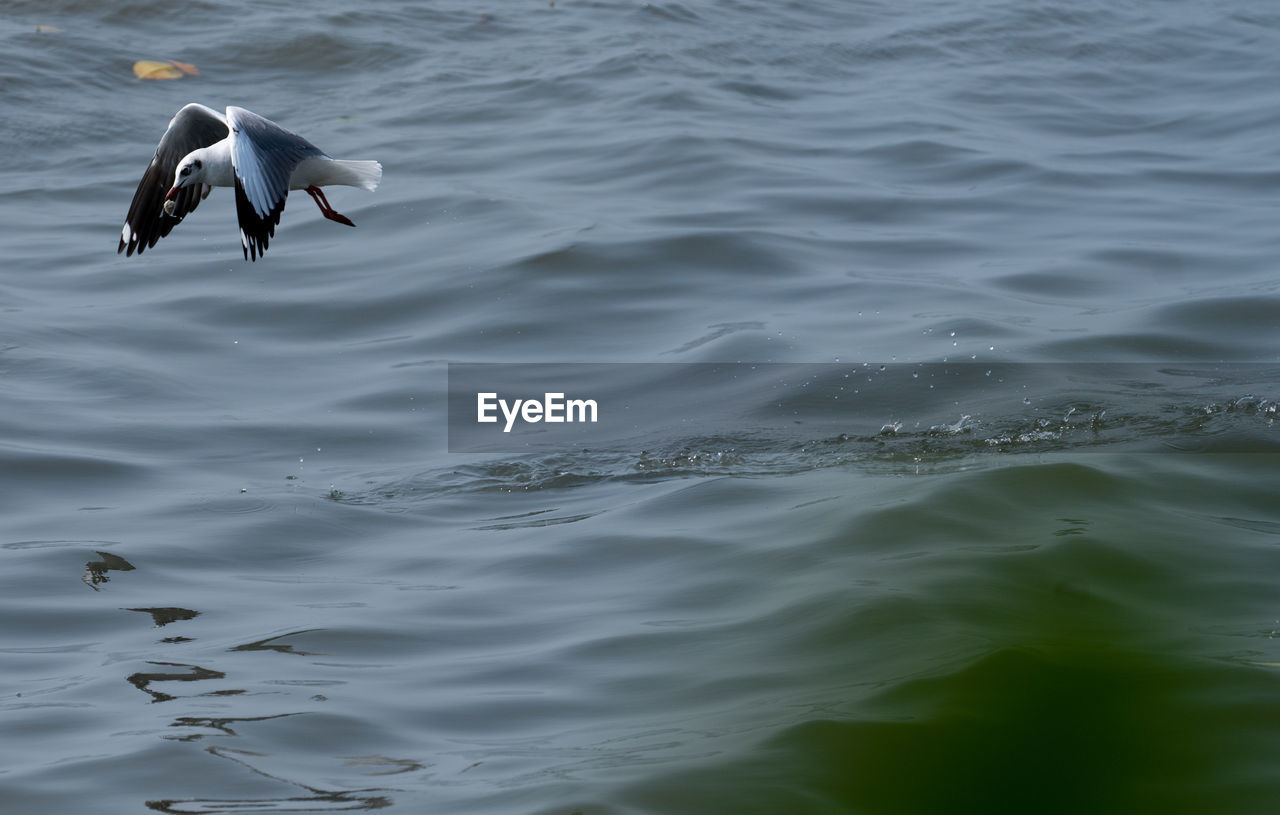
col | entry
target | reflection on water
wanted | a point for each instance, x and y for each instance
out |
(270, 644)
(191, 673)
(223, 724)
(164, 616)
(95, 571)
(317, 800)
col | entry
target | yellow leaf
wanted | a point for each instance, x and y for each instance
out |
(46, 29)
(150, 69)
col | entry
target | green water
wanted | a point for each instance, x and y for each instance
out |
(1095, 635)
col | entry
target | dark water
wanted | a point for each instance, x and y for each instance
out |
(243, 573)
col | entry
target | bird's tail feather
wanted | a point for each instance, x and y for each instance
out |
(365, 174)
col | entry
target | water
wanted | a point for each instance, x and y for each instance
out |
(243, 573)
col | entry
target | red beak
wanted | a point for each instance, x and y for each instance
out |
(171, 194)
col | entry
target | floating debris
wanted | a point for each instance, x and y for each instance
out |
(168, 69)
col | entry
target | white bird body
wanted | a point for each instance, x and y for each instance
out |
(202, 149)
(316, 171)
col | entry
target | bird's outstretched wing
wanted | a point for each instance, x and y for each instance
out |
(194, 127)
(264, 155)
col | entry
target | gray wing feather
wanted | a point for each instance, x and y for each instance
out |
(264, 155)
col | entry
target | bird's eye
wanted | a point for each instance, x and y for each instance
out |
(198, 164)
(186, 170)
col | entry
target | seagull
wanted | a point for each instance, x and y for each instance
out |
(203, 149)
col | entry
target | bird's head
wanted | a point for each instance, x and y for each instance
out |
(190, 172)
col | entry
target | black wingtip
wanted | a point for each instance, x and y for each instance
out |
(256, 231)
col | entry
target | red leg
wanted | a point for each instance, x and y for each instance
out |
(319, 193)
(327, 211)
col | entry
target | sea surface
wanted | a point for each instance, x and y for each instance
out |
(984, 517)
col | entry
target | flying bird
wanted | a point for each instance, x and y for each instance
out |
(203, 149)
